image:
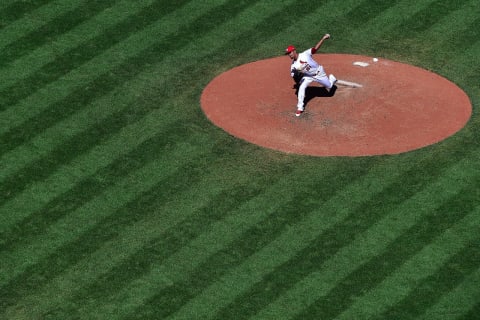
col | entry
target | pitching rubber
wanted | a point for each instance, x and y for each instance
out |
(348, 83)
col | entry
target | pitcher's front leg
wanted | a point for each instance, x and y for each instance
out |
(301, 95)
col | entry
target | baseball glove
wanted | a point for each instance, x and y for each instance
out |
(297, 76)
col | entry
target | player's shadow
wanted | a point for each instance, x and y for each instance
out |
(318, 92)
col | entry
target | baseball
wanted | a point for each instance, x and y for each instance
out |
(375, 59)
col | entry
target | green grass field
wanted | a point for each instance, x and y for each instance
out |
(120, 200)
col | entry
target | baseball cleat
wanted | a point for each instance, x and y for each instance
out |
(332, 79)
(298, 112)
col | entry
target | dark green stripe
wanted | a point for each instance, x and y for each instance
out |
(18, 9)
(429, 291)
(397, 39)
(461, 41)
(104, 83)
(425, 18)
(71, 150)
(37, 275)
(161, 248)
(54, 28)
(403, 248)
(472, 314)
(338, 236)
(77, 56)
(91, 186)
(362, 13)
(172, 298)
(42, 168)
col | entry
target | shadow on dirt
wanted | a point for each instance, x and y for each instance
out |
(316, 92)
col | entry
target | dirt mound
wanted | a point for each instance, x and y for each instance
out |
(398, 107)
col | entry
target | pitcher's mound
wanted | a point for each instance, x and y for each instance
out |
(398, 107)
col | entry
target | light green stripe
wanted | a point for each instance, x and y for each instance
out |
(66, 177)
(66, 284)
(458, 301)
(14, 263)
(389, 20)
(257, 11)
(101, 64)
(6, 3)
(100, 156)
(41, 193)
(36, 19)
(288, 244)
(404, 280)
(448, 26)
(130, 239)
(97, 111)
(224, 232)
(444, 31)
(370, 243)
(464, 65)
(334, 10)
(180, 265)
(26, 65)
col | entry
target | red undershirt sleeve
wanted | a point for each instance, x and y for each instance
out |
(314, 50)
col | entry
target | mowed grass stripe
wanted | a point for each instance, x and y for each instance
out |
(448, 38)
(401, 42)
(431, 289)
(34, 20)
(330, 11)
(171, 298)
(131, 225)
(312, 231)
(11, 10)
(104, 204)
(120, 147)
(402, 249)
(454, 57)
(370, 243)
(61, 23)
(99, 86)
(425, 263)
(179, 273)
(465, 70)
(178, 266)
(110, 150)
(4, 4)
(430, 15)
(108, 28)
(47, 140)
(152, 237)
(464, 297)
(367, 31)
(453, 30)
(30, 200)
(362, 15)
(330, 240)
(106, 62)
(26, 66)
(73, 103)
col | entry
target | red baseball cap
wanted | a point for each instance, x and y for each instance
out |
(289, 49)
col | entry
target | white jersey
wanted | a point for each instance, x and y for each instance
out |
(307, 64)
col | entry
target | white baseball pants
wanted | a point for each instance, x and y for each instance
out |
(321, 78)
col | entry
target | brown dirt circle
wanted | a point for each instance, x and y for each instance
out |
(398, 108)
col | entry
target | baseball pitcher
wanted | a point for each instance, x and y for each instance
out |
(305, 70)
